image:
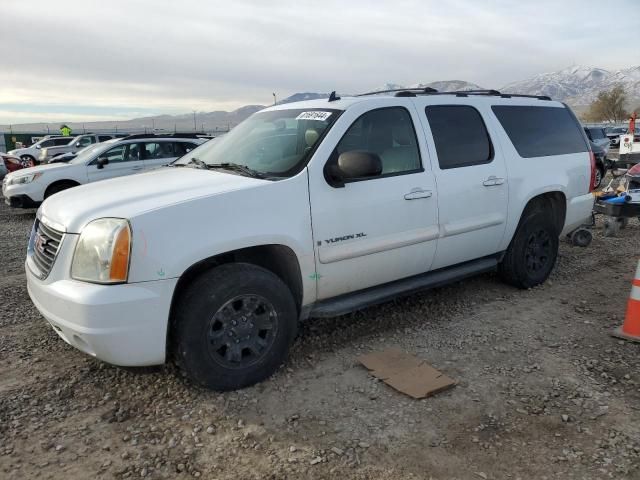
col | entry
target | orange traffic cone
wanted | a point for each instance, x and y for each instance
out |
(630, 329)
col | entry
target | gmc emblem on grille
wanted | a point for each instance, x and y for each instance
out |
(41, 242)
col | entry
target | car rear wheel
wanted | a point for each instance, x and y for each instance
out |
(28, 158)
(600, 173)
(233, 326)
(533, 251)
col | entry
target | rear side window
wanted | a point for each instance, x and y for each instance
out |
(541, 131)
(104, 138)
(460, 136)
(61, 141)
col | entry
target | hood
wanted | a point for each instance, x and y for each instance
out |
(38, 169)
(130, 196)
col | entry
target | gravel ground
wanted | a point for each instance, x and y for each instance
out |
(544, 392)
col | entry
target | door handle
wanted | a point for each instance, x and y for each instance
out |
(493, 181)
(417, 193)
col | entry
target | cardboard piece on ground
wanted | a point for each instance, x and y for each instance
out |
(406, 373)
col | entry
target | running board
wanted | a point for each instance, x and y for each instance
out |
(350, 302)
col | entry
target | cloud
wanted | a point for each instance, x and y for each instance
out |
(179, 56)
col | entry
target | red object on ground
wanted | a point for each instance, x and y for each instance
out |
(630, 329)
(632, 123)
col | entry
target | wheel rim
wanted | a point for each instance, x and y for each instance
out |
(242, 331)
(598, 178)
(538, 251)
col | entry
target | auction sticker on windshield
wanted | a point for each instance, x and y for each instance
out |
(314, 115)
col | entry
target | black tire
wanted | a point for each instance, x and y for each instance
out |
(600, 173)
(28, 158)
(57, 187)
(533, 251)
(213, 346)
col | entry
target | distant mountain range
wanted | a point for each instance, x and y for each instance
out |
(578, 86)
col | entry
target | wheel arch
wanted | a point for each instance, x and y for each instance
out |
(554, 200)
(278, 259)
(66, 181)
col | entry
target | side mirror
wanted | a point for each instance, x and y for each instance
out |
(37, 146)
(353, 165)
(77, 144)
(102, 162)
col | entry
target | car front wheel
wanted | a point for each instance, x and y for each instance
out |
(233, 326)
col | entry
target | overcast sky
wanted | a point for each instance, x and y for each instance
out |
(111, 59)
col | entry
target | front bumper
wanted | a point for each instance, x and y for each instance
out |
(21, 201)
(123, 325)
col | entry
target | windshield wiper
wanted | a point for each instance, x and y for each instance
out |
(238, 168)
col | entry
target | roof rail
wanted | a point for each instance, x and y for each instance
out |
(394, 90)
(412, 92)
(167, 135)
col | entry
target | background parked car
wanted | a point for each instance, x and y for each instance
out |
(598, 136)
(3, 170)
(32, 153)
(613, 134)
(602, 163)
(12, 163)
(77, 143)
(110, 159)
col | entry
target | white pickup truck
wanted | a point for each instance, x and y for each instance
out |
(305, 210)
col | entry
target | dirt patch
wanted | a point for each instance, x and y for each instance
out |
(543, 390)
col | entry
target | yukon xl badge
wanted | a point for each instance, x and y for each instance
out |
(343, 238)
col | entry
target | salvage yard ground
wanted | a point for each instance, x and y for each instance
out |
(543, 390)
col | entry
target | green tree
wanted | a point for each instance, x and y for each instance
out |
(609, 106)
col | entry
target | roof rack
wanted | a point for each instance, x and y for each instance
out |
(424, 90)
(168, 135)
(412, 92)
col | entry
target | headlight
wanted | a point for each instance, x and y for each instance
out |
(102, 252)
(20, 179)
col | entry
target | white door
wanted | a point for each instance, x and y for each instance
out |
(124, 159)
(472, 181)
(378, 229)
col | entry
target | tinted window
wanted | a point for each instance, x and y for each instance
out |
(389, 133)
(460, 136)
(104, 138)
(84, 141)
(184, 147)
(597, 133)
(541, 131)
(159, 150)
(61, 141)
(46, 143)
(122, 153)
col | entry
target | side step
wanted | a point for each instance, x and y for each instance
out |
(350, 302)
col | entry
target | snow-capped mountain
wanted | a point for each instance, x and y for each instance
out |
(441, 86)
(579, 85)
(448, 85)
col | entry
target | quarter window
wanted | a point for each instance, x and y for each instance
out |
(159, 150)
(387, 132)
(460, 136)
(541, 131)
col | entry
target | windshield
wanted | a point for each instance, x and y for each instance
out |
(90, 152)
(275, 143)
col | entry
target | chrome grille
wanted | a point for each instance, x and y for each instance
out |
(43, 248)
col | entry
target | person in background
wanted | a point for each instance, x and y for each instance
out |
(65, 130)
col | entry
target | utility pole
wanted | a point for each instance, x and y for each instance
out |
(195, 126)
(153, 124)
(274, 98)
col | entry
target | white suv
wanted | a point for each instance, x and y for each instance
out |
(32, 153)
(304, 210)
(28, 187)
